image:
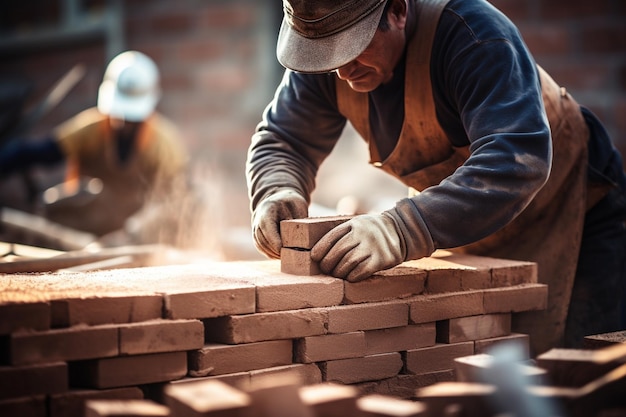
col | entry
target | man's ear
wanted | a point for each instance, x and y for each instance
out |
(397, 13)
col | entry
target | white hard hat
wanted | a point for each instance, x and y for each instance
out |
(130, 88)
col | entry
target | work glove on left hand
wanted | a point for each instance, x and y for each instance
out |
(358, 248)
(284, 204)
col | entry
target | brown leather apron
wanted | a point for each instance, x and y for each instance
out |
(548, 231)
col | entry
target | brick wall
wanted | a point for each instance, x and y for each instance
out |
(219, 69)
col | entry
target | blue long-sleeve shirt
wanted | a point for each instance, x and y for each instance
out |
(487, 95)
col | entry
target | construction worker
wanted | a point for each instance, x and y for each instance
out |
(501, 161)
(120, 155)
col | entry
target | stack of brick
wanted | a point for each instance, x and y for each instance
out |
(560, 382)
(66, 337)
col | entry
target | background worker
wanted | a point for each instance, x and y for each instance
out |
(123, 158)
(503, 162)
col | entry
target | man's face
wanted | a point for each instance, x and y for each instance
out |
(376, 63)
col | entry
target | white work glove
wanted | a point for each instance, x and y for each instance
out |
(358, 248)
(284, 204)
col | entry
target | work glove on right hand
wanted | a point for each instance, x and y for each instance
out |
(284, 204)
(358, 248)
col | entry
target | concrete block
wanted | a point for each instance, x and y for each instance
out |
(33, 380)
(430, 308)
(370, 316)
(398, 282)
(159, 336)
(125, 408)
(298, 262)
(126, 371)
(68, 344)
(515, 299)
(399, 339)
(216, 359)
(304, 233)
(436, 358)
(473, 328)
(259, 327)
(72, 402)
(329, 347)
(367, 368)
(22, 314)
(206, 398)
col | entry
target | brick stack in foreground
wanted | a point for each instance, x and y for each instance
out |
(125, 334)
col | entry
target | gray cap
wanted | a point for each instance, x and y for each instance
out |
(323, 35)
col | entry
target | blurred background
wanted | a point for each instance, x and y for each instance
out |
(219, 70)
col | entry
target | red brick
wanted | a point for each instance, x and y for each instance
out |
(15, 316)
(33, 380)
(430, 308)
(380, 406)
(276, 291)
(475, 368)
(298, 262)
(436, 358)
(304, 233)
(551, 41)
(473, 328)
(515, 299)
(368, 368)
(400, 338)
(160, 336)
(329, 347)
(216, 359)
(351, 318)
(404, 386)
(398, 282)
(209, 397)
(307, 374)
(106, 310)
(604, 38)
(447, 274)
(69, 344)
(277, 395)
(134, 408)
(265, 326)
(330, 400)
(474, 399)
(567, 9)
(72, 402)
(34, 406)
(126, 371)
(521, 340)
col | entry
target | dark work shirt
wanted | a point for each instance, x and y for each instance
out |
(487, 95)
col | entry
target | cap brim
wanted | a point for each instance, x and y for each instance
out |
(315, 55)
(133, 109)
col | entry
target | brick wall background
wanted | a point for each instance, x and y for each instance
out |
(219, 70)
